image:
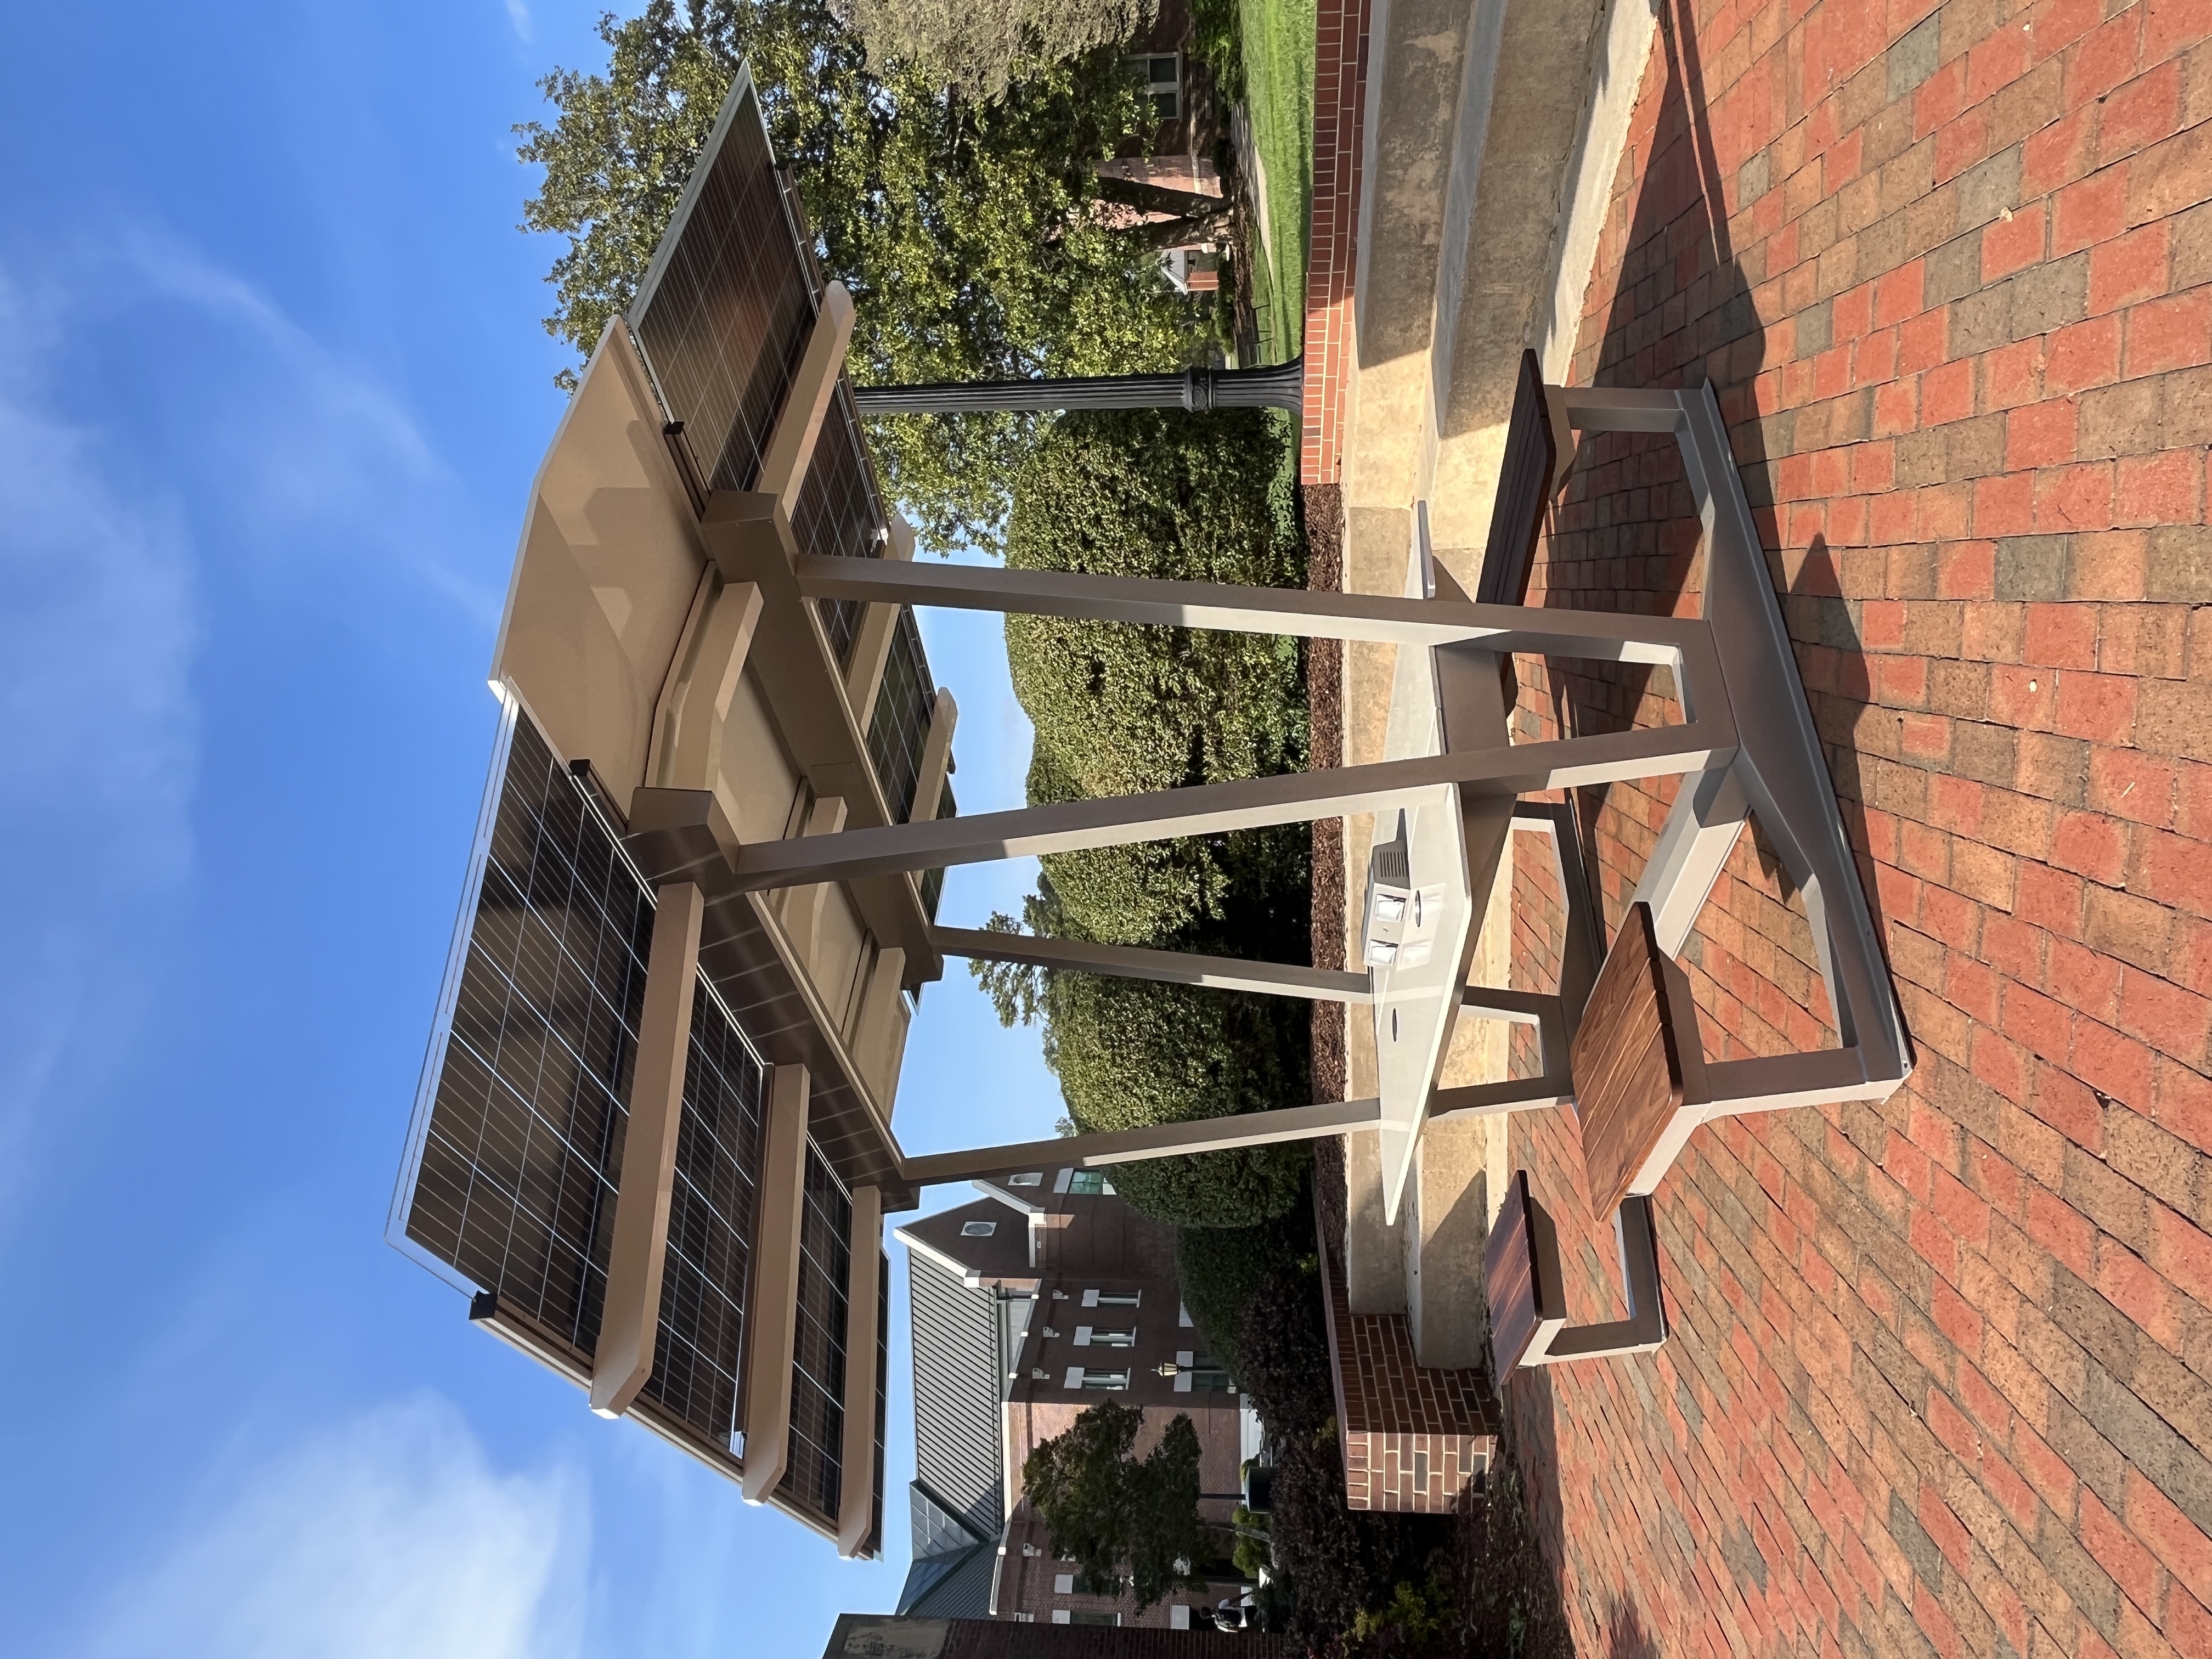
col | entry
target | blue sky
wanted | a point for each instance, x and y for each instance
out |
(272, 386)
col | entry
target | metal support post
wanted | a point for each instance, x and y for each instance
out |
(631, 1318)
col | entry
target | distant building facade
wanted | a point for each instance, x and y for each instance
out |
(1070, 1298)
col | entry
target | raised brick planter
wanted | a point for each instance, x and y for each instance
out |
(1414, 1439)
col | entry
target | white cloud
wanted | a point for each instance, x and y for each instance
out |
(243, 438)
(97, 722)
(390, 1535)
(518, 17)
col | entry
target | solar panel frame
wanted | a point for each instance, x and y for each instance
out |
(899, 729)
(698, 331)
(516, 1147)
(813, 1475)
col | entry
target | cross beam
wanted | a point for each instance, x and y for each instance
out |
(1274, 385)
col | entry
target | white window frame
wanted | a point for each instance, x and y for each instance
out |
(1172, 90)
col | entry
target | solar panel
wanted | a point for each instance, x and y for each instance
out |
(904, 702)
(724, 312)
(514, 1160)
(697, 1359)
(839, 513)
(515, 1154)
(812, 1480)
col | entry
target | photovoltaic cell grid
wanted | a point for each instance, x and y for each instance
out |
(812, 1479)
(726, 324)
(932, 881)
(522, 1155)
(697, 1357)
(900, 728)
(523, 1148)
(838, 512)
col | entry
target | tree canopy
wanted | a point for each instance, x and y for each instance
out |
(1120, 709)
(1118, 1516)
(965, 229)
(977, 47)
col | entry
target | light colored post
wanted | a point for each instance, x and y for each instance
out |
(875, 1030)
(871, 646)
(772, 1301)
(856, 1501)
(687, 727)
(802, 907)
(936, 757)
(807, 403)
(631, 1319)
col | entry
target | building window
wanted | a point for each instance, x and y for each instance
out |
(1063, 1584)
(978, 1229)
(1083, 1616)
(1111, 1298)
(1208, 1376)
(1034, 1179)
(1162, 77)
(1078, 1377)
(1060, 1616)
(1106, 1336)
(1179, 1616)
(1089, 1183)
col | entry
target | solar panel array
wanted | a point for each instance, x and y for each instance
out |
(727, 315)
(904, 702)
(517, 1171)
(811, 1480)
(723, 321)
(521, 1154)
(697, 1360)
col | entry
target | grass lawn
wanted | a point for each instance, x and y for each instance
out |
(1278, 40)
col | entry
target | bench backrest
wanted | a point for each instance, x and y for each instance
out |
(1524, 485)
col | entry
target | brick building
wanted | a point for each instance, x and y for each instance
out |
(1091, 1313)
(1940, 1374)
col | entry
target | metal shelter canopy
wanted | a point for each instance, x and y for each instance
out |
(1746, 745)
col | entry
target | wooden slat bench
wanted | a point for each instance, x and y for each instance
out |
(1627, 1062)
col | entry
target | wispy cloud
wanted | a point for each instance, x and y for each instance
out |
(392, 1534)
(98, 729)
(159, 415)
(518, 17)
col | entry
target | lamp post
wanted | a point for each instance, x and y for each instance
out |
(1273, 386)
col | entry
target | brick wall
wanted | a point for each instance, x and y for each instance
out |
(1414, 1437)
(1339, 87)
(1941, 1374)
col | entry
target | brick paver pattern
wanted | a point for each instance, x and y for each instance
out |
(1940, 1374)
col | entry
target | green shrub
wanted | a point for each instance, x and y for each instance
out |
(1121, 709)
(1130, 1053)
(1220, 1270)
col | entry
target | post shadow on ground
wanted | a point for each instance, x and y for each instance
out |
(1679, 251)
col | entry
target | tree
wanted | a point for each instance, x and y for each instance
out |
(976, 47)
(1120, 709)
(1108, 1509)
(965, 230)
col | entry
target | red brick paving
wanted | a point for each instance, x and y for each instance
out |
(1940, 1379)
